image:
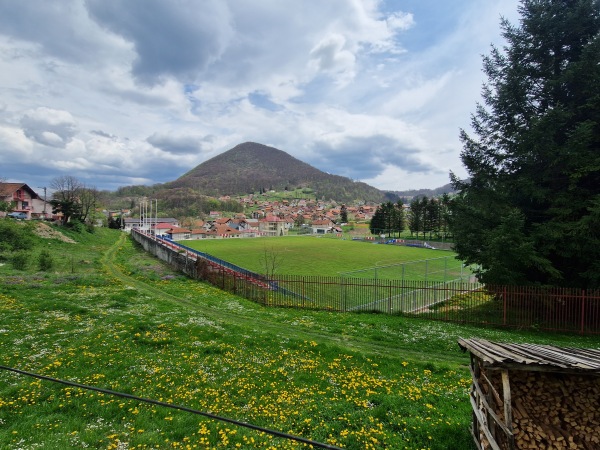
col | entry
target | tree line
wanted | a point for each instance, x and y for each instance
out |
(426, 217)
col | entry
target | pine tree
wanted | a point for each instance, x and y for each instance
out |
(416, 217)
(377, 224)
(530, 211)
(344, 214)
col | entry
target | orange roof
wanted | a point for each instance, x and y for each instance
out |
(179, 230)
(163, 226)
(272, 219)
(224, 229)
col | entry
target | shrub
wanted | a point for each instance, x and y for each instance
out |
(76, 225)
(45, 261)
(20, 260)
(15, 236)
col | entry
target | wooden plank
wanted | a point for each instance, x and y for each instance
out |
(493, 389)
(542, 357)
(508, 409)
(483, 426)
(476, 439)
(493, 415)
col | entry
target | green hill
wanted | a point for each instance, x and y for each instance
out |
(251, 167)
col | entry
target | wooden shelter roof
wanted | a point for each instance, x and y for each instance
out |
(533, 357)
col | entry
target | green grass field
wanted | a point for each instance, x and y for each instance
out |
(325, 256)
(111, 316)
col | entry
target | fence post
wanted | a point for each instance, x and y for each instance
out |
(504, 307)
(343, 294)
(582, 330)
(445, 268)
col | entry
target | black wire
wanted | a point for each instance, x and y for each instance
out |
(181, 408)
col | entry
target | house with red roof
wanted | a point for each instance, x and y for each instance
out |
(322, 226)
(178, 234)
(21, 198)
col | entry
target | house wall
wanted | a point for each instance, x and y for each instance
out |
(273, 228)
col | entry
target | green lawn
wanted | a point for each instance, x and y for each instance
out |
(324, 256)
(111, 316)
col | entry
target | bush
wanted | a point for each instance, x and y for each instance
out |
(15, 236)
(76, 225)
(45, 261)
(20, 260)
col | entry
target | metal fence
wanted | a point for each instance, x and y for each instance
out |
(440, 269)
(550, 309)
(555, 309)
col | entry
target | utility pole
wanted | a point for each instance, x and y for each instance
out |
(44, 188)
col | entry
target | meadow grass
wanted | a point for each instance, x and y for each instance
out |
(119, 319)
(324, 256)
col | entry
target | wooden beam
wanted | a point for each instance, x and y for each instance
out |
(508, 409)
(483, 426)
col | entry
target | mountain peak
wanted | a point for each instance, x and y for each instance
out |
(249, 167)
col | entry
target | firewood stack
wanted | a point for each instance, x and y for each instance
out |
(551, 410)
(531, 396)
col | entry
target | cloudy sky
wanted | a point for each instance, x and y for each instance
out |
(125, 92)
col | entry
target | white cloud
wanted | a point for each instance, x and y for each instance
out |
(118, 92)
(49, 126)
(400, 21)
(331, 56)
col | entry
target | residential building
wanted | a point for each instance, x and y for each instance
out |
(25, 200)
(178, 234)
(322, 226)
(272, 226)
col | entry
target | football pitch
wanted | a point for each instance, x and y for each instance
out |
(329, 257)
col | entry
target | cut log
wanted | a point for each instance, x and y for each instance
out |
(541, 410)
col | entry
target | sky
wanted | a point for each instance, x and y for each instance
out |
(139, 92)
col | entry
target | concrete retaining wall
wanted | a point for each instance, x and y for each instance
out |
(177, 259)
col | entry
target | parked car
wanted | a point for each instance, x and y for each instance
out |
(17, 215)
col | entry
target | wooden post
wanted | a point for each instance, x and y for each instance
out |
(508, 409)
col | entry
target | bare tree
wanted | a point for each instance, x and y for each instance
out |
(270, 261)
(66, 196)
(66, 188)
(88, 198)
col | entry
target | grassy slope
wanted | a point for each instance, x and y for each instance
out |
(115, 318)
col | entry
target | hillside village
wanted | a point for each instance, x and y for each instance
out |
(263, 217)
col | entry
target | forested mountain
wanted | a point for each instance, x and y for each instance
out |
(437, 192)
(252, 167)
